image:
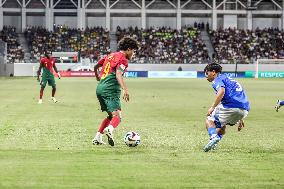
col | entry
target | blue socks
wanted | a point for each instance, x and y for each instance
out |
(211, 131)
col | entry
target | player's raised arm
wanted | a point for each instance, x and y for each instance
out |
(119, 77)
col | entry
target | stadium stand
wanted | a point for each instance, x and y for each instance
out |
(158, 45)
(166, 42)
(91, 43)
(14, 49)
(246, 46)
(165, 45)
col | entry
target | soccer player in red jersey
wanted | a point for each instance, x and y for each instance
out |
(47, 64)
(110, 84)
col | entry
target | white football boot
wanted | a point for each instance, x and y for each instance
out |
(98, 140)
(109, 133)
(212, 143)
(40, 101)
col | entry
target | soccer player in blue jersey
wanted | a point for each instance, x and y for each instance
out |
(230, 106)
(279, 103)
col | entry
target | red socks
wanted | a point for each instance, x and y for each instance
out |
(41, 93)
(115, 121)
(104, 124)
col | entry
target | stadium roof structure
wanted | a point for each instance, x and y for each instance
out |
(148, 4)
(179, 8)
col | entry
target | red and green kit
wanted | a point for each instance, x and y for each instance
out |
(108, 90)
(47, 71)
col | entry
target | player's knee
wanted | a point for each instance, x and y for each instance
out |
(209, 123)
(118, 114)
(206, 124)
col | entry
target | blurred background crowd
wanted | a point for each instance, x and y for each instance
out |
(161, 45)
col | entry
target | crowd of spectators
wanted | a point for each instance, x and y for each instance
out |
(157, 45)
(245, 46)
(15, 53)
(91, 43)
(166, 45)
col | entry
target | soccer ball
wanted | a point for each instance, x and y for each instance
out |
(132, 139)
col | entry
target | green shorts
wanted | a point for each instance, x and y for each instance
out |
(48, 79)
(109, 104)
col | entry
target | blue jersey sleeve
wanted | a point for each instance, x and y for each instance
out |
(216, 84)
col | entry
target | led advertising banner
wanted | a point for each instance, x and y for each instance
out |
(250, 74)
(229, 74)
(172, 74)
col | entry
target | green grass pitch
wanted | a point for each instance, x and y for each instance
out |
(49, 145)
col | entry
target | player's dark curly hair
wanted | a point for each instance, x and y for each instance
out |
(127, 43)
(213, 66)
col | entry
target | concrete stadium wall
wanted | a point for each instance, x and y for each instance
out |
(262, 23)
(36, 21)
(70, 21)
(161, 21)
(6, 69)
(124, 22)
(13, 21)
(95, 21)
(29, 69)
(189, 21)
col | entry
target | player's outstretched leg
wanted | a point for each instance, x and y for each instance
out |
(113, 124)
(52, 95)
(214, 136)
(220, 133)
(98, 138)
(109, 133)
(40, 95)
